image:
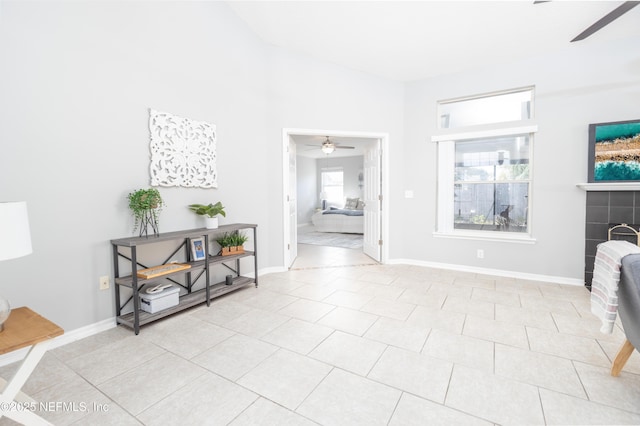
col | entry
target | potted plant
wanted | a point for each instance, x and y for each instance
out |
(232, 243)
(210, 211)
(146, 205)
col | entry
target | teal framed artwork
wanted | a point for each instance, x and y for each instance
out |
(614, 151)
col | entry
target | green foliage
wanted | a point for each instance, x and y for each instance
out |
(211, 210)
(513, 172)
(232, 240)
(145, 199)
(146, 205)
(479, 219)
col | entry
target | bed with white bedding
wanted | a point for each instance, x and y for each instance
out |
(347, 221)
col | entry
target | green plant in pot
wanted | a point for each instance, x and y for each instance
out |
(232, 243)
(146, 205)
(210, 212)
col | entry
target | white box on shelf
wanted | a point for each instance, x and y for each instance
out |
(156, 302)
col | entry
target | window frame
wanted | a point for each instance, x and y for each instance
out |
(496, 94)
(324, 170)
(445, 140)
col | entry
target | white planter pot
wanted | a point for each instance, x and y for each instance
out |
(211, 222)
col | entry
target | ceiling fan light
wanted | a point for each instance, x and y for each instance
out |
(328, 148)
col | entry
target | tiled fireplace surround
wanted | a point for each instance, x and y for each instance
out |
(605, 209)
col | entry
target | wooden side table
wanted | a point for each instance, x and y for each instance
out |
(22, 329)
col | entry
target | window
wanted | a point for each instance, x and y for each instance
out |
(497, 108)
(491, 184)
(332, 187)
(484, 168)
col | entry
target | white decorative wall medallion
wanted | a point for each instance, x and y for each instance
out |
(183, 151)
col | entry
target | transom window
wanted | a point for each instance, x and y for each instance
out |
(484, 169)
(497, 108)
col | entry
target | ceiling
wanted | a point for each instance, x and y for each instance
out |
(412, 40)
(309, 146)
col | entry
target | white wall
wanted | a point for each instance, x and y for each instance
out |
(307, 188)
(306, 93)
(77, 79)
(73, 130)
(587, 83)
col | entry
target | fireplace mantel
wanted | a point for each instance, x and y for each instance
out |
(610, 186)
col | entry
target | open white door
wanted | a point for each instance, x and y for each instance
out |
(293, 204)
(372, 202)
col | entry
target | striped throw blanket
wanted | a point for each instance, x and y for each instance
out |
(606, 276)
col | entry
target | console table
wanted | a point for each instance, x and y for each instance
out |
(22, 329)
(193, 292)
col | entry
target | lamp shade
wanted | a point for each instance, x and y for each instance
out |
(15, 237)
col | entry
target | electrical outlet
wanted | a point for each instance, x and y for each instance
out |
(104, 282)
(480, 254)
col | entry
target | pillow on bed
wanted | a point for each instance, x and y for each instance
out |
(351, 203)
(360, 205)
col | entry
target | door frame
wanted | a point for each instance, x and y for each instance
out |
(384, 169)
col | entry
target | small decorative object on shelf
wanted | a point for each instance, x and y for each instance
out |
(146, 205)
(211, 211)
(231, 244)
(156, 301)
(197, 249)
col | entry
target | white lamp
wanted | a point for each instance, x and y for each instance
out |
(15, 241)
(323, 200)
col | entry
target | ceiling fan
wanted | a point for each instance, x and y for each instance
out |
(328, 147)
(604, 21)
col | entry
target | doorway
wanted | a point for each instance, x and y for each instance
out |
(372, 184)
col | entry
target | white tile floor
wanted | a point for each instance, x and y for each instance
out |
(312, 256)
(368, 345)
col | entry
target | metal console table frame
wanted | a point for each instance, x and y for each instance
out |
(136, 317)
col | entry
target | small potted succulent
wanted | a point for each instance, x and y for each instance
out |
(146, 205)
(232, 243)
(210, 212)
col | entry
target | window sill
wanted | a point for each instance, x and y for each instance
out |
(487, 236)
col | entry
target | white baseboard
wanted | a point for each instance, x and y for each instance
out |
(272, 270)
(67, 337)
(91, 329)
(265, 271)
(98, 327)
(488, 271)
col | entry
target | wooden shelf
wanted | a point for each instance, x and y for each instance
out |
(214, 260)
(127, 280)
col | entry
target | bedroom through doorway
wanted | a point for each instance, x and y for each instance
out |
(333, 197)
